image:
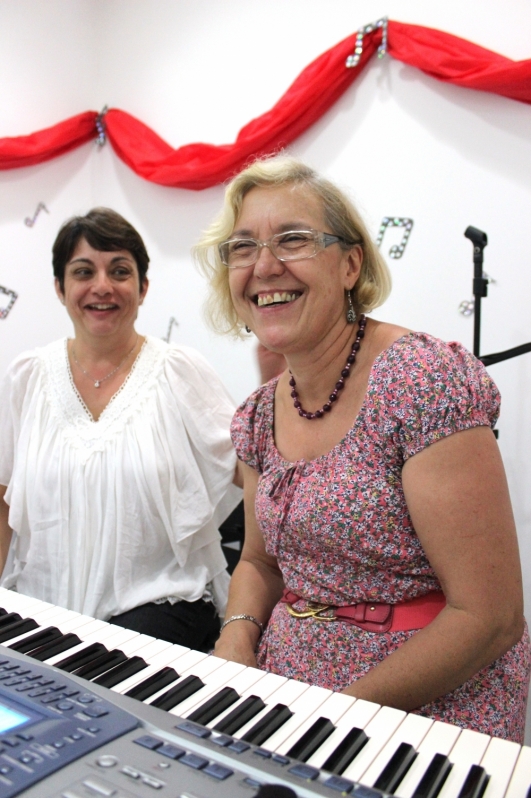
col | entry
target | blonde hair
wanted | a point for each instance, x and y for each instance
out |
(374, 283)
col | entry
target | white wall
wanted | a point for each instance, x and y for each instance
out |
(197, 70)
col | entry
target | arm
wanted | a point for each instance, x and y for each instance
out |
(459, 504)
(5, 530)
(255, 587)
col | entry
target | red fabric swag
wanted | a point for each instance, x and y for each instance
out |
(199, 165)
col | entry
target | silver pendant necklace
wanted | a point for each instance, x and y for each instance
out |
(97, 383)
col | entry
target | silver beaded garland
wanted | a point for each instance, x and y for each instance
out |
(353, 60)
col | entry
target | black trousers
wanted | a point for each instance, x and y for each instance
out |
(194, 624)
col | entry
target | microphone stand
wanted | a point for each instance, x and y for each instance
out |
(479, 286)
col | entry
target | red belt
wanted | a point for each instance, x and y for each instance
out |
(413, 614)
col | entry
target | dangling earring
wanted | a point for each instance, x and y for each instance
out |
(247, 329)
(351, 313)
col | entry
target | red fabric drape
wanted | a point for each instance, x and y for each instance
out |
(317, 88)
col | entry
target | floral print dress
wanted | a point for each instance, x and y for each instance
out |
(340, 530)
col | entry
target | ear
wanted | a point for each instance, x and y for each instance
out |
(58, 291)
(352, 263)
(144, 289)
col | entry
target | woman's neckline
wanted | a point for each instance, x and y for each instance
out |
(122, 387)
(290, 463)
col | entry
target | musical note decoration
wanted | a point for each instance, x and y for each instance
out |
(397, 250)
(101, 138)
(30, 221)
(4, 311)
(466, 308)
(173, 323)
(354, 59)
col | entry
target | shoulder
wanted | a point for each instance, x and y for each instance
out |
(29, 363)
(182, 360)
(251, 423)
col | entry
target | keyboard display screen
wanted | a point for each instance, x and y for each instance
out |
(10, 719)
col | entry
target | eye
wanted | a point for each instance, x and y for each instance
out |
(294, 239)
(241, 245)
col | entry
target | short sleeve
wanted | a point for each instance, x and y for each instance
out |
(251, 425)
(431, 389)
(13, 391)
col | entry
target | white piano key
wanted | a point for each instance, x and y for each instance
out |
(499, 761)
(262, 688)
(379, 730)
(242, 681)
(357, 717)
(521, 778)
(333, 708)
(147, 647)
(168, 658)
(12, 601)
(213, 681)
(467, 751)
(412, 730)
(98, 632)
(440, 739)
(302, 708)
(287, 694)
(193, 663)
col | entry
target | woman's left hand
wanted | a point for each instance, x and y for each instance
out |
(458, 499)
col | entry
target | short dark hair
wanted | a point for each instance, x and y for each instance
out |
(106, 231)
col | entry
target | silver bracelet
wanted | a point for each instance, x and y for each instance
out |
(243, 617)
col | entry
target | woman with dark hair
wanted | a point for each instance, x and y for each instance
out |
(116, 465)
(380, 555)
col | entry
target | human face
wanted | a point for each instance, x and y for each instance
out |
(291, 305)
(102, 291)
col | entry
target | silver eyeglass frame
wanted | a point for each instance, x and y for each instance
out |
(321, 241)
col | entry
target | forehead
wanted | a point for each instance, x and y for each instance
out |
(278, 208)
(83, 250)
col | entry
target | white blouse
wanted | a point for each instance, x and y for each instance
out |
(114, 513)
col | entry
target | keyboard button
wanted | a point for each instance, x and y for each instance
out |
(304, 772)
(148, 742)
(218, 772)
(171, 751)
(194, 761)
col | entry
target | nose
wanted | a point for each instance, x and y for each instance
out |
(102, 283)
(267, 263)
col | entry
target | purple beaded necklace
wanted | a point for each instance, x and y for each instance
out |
(340, 384)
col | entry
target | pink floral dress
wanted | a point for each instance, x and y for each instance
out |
(340, 530)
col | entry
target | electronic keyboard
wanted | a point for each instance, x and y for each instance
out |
(89, 709)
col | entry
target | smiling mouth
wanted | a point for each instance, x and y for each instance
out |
(276, 298)
(101, 306)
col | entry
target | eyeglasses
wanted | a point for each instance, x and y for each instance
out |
(238, 253)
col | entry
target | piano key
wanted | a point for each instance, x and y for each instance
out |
(101, 665)
(521, 778)
(210, 709)
(319, 731)
(9, 618)
(347, 750)
(182, 690)
(499, 761)
(412, 730)
(213, 681)
(379, 730)
(65, 643)
(302, 709)
(286, 694)
(333, 708)
(467, 751)
(156, 664)
(242, 681)
(268, 724)
(357, 717)
(40, 638)
(434, 777)
(440, 739)
(75, 661)
(475, 783)
(261, 688)
(193, 663)
(153, 684)
(121, 671)
(15, 628)
(240, 715)
(97, 632)
(397, 767)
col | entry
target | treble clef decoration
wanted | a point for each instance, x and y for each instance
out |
(397, 250)
(29, 221)
(4, 311)
(173, 322)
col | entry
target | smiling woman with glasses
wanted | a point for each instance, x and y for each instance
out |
(380, 554)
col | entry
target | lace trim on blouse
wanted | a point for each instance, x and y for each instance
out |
(74, 417)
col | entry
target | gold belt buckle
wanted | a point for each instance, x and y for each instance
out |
(313, 610)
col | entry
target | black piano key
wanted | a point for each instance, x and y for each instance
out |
(17, 628)
(9, 617)
(101, 665)
(64, 643)
(346, 751)
(214, 706)
(80, 658)
(528, 793)
(311, 739)
(40, 638)
(243, 713)
(157, 681)
(268, 725)
(396, 768)
(121, 672)
(176, 695)
(3, 611)
(433, 779)
(475, 783)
